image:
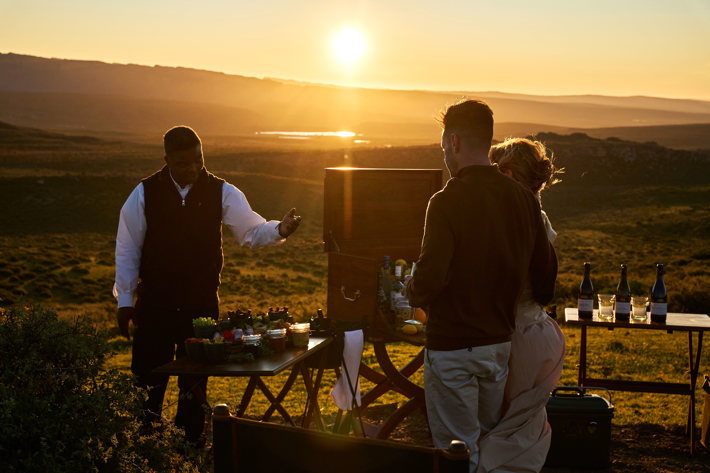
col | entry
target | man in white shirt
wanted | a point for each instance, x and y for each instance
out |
(169, 253)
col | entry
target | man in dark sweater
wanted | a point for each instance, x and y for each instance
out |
(483, 238)
(169, 253)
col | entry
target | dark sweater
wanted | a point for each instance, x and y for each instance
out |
(483, 237)
(182, 257)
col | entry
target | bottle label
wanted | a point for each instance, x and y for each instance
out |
(622, 307)
(659, 308)
(585, 305)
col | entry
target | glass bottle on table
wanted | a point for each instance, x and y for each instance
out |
(397, 286)
(659, 298)
(321, 320)
(385, 283)
(585, 299)
(622, 297)
(318, 322)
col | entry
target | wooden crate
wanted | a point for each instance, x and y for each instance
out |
(370, 213)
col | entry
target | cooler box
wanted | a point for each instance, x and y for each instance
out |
(369, 213)
(581, 428)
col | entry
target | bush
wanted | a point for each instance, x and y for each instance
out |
(61, 411)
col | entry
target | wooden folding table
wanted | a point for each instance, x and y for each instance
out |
(674, 322)
(293, 358)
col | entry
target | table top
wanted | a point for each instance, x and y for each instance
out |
(268, 366)
(674, 321)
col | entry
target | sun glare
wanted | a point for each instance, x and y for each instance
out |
(348, 45)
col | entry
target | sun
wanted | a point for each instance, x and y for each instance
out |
(348, 45)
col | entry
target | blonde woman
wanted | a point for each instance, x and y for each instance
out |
(520, 441)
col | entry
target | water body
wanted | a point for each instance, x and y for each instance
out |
(315, 135)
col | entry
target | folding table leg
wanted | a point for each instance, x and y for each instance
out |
(312, 388)
(276, 401)
(382, 384)
(694, 367)
(582, 357)
(246, 397)
(400, 414)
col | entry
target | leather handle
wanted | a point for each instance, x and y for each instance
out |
(575, 391)
(355, 297)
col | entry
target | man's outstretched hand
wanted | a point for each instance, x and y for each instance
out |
(289, 224)
(123, 316)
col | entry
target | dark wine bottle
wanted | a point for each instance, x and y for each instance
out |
(385, 283)
(396, 288)
(622, 297)
(659, 298)
(585, 300)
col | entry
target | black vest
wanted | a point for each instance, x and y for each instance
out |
(182, 257)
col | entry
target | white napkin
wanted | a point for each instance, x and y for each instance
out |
(342, 394)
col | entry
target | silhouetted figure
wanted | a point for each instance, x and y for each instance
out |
(169, 253)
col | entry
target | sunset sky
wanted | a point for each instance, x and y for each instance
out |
(619, 47)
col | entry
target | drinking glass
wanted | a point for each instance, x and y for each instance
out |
(638, 308)
(606, 306)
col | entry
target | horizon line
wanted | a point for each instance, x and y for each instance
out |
(469, 93)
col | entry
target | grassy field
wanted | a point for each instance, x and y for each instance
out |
(57, 236)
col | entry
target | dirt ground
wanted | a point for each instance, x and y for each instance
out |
(633, 449)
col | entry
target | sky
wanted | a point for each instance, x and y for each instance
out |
(551, 47)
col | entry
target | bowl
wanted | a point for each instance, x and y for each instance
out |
(215, 352)
(205, 331)
(195, 351)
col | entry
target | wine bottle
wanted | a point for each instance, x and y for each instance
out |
(659, 298)
(622, 297)
(397, 286)
(385, 286)
(585, 300)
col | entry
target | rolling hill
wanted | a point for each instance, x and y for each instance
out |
(91, 96)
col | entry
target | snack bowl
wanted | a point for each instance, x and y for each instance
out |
(205, 331)
(216, 352)
(195, 350)
(252, 344)
(412, 327)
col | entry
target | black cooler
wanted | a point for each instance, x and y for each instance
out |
(581, 428)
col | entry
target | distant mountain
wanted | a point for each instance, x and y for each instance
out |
(690, 137)
(90, 96)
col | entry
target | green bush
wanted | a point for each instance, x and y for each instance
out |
(61, 411)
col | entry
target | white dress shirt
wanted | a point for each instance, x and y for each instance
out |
(249, 228)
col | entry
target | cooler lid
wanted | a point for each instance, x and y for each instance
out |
(574, 398)
(376, 208)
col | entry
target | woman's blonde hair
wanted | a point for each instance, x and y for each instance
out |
(527, 160)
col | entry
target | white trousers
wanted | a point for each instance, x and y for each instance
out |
(464, 393)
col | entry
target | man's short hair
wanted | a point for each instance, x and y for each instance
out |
(472, 119)
(180, 138)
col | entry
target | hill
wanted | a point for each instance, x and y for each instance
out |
(691, 136)
(92, 96)
(31, 138)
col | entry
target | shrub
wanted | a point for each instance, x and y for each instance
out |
(61, 411)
